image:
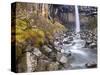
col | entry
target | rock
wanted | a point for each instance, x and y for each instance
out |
(79, 43)
(47, 49)
(66, 66)
(83, 37)
(60, 43)
(53, 66)
(62, 50)
(64, 35)
(89, 41)
(92, 45)
(63, 60)
(58, 48)
(42, 65)
(58, 56)
(33, 62)
(37, 52)
(65, 39)
(44, 57)
(91, 65)
(56, 43)
(29, 48)
(66, 42)
(71, 38)
(68, 53)
(52, 55)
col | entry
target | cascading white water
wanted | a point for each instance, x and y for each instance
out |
(78, 41)
(77, 19)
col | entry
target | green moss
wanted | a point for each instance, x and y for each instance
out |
(92, 22)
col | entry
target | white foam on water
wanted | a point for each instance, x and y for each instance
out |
(76, 51)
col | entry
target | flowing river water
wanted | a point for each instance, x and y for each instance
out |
(80, 55)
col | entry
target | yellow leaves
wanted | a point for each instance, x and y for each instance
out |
(23, 33)
(39, 32)
(49, 35)
(21, 24)
(21, 37)
(20, 27)
(38, 36)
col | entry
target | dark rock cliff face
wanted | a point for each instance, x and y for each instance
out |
(66, 16)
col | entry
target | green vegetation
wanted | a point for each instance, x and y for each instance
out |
(92, 22)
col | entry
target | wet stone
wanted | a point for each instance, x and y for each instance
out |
(91, 65)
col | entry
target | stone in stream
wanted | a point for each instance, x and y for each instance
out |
(91, 65)
(56, 43)
(89, 41)
(66, 42)
(93, 45)
(62, 50)
(68, 53)
(65, 39)
(63, 60)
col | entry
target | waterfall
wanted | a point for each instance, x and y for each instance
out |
(77, 19)
(79, 43)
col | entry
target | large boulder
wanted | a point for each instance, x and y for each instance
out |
(33, 63)
(42, 65)
(93, 45)
(56, 43)
(53, 66)
(52, 56)
(58, 56)
(37, 52)
(58, 49)
(46, 49)
(61, 58)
